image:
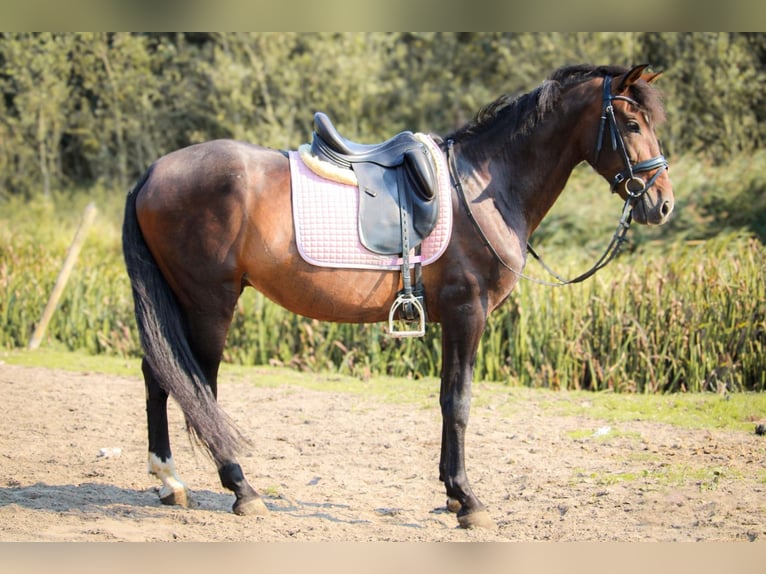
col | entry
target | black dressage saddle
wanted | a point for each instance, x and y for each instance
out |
(398, 206)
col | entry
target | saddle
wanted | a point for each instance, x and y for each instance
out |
(398, 206)
(397, 186)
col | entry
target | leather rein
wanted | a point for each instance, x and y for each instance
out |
(635, 188)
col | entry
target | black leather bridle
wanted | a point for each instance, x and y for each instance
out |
(635, 188)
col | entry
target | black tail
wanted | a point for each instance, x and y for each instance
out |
(166, 347)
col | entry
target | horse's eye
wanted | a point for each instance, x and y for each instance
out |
(633, 126)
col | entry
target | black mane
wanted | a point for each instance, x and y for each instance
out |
(520, 114)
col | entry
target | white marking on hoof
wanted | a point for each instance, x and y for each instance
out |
(173, 490)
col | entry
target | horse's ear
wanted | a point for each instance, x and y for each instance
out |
(649, 77)
(631, 77)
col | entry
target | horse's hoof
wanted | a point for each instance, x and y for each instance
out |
(477, 519)
(453, 505)
(250, 507)
(178, 497)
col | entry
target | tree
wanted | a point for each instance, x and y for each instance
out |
(714, 92)
(34, 81)
(86, 107)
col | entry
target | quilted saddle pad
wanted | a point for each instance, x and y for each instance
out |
(325, 215)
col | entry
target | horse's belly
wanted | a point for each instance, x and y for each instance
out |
(337, 295)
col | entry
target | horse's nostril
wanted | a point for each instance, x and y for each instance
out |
(666, 208)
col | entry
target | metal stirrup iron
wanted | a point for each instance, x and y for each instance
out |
(408, 304)
(407, 301)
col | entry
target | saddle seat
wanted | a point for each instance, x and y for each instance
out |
(389, 153)
(397, 184)
(403, 148)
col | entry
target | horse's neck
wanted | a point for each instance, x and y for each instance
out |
(527, 176)
(553, 168)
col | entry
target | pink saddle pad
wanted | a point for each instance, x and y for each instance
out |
(325, 215)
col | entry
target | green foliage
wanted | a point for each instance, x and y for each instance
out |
(84, 108)
(95, 314)
(693, 318)
(716, 96)
(33, 76)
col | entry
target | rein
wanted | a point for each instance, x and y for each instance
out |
(634, 193)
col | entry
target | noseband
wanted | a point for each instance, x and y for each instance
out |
(635, 187)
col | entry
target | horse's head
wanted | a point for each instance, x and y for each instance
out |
(626, 149)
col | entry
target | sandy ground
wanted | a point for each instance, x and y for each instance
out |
(340, 467)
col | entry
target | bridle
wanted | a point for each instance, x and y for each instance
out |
(628, 174)
(635, 188)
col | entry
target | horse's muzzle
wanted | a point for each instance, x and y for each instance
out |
(653, 208)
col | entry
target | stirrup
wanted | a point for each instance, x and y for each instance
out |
(404, 299)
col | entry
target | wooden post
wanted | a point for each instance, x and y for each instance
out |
(66, 270)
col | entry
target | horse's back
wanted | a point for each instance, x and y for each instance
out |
(211, 184)
(214, 167)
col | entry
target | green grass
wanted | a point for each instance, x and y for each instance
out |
(423, 392)
(388, 389)
(735, 411)
(77, 361)
(663, 477)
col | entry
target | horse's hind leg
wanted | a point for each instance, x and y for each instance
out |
(207, 331)
(160, 463)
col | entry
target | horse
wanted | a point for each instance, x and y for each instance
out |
(206, 221)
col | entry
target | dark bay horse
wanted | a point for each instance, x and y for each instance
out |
(206, 221)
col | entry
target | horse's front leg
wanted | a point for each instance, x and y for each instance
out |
(460, 341)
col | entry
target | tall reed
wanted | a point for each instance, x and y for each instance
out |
(691, 318)
(688, 316)
(671, 316)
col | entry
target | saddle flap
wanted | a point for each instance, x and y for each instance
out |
(379, 218)
(384, 193)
